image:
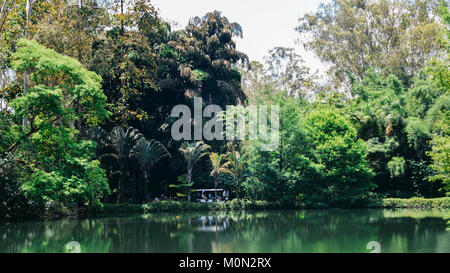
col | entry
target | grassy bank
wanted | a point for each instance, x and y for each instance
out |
(231, 205)
(411, 203)
(177, 206)
(184, 206)
(447, 218)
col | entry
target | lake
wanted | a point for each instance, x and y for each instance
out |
(252, 231)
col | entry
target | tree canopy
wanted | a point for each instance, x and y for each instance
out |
(87, 91)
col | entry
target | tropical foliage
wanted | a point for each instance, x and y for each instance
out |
(87, 90)
(217, 167)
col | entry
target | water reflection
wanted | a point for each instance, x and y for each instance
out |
(213, 223)
(262, 231)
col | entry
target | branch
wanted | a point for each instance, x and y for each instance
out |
(6, 12)
(32, 131)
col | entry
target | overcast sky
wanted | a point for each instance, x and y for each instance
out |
(265, 23)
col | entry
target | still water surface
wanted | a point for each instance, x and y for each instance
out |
(260, 231)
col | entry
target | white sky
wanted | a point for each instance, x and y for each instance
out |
(265, 23)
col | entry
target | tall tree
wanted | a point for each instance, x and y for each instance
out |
(397, 140)
(440, 152)
(72, 29)
(192, 153)
(236, 165)
(5, 10)
(287, 71)
(147, 154)
(217, 168)
(126, 58)
(438, 115)
(123, 142)
(353, 35)
(339, 157)
(208, 59)
(283, 69)
(279, 174)
(58, 166)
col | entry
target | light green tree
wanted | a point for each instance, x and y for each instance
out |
(217, 168)
(440, 151)
(339, 158)
(236, 167)
(62, 95)
(192, 153)
(354, 35)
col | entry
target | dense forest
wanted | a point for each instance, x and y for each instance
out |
(87, 89)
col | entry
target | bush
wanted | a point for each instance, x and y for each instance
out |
(230, 205)
(117, 208)
(412, 203)
(13, 203)
(447, 218)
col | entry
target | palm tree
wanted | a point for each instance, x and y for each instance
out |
(236, 164)
(147, 154)
(192, 152)
(122, 142)
(217, 167)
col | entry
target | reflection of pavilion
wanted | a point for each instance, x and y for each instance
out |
(212, 223)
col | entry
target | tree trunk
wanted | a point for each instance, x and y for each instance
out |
(189, 176)
(4, 13)
(78, 109)
(121, 18)
(188, 181)
(119, 192)
(215, 188)
(138, 189)
(143, 188)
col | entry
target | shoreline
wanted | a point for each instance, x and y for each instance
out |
(234, 205)
(172, 206)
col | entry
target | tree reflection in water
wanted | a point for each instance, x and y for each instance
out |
(239, 231)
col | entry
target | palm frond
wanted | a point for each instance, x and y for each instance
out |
(193, 152)
(148, 152)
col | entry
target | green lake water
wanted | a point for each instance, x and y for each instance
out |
(258, 231)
